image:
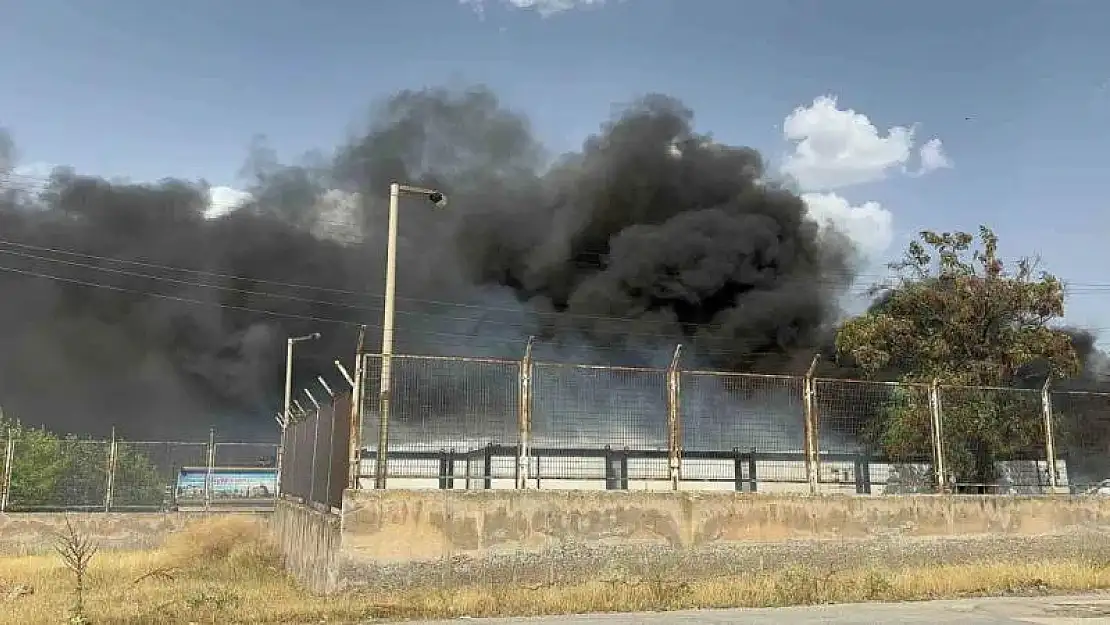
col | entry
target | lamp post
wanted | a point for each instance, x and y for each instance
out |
(439, 200)
(286, 415)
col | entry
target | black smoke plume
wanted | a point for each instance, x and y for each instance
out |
(1081, 408)
(651, 235)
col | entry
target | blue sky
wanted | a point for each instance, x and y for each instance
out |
(1017, 92)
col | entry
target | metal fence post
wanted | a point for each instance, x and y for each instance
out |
(279, 461)
(355, 424)
(331, 438)
(331, 449)
(1049, 435)
(937, 417)
(208, 469)
(9, 458)
(523, 464)
(812, 457)
(674, 420)
(110, 486)
(315, 444)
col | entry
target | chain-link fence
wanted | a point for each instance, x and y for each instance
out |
(586, 418)
(43, 472)
(482, 423)
(742, 429)
(448, 418)
(1082, 439)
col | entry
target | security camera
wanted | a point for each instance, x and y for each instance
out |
(437, 198)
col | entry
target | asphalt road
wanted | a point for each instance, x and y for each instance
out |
(1072, 610)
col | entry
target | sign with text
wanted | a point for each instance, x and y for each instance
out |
(227, 484)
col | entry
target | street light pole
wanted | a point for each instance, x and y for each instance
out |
(286, 415)
(440, 201)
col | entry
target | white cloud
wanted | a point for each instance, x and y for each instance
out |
(38, 170)
(223, 200)
(933, 156)
(545, 8)
(869, 225)
(836, 148)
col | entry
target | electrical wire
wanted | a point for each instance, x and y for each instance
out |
(293, 285)
(318, 318)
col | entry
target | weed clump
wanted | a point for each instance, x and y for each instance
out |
(236, 545)
(76, 551)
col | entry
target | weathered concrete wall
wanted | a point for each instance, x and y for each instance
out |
(27, 533)
(394, 538)
(391, 525)
(309, 541)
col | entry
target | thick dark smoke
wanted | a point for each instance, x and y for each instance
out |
(651, 235)
(1081, 407)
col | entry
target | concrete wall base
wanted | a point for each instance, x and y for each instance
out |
(401, 539)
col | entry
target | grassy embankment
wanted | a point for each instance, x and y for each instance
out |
(226, 571)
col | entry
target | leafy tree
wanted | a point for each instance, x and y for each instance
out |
(53, 472)
(38, 467)
(959, 315)
(138, 482)
(85, 481)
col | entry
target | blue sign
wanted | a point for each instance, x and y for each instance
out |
(226, 483)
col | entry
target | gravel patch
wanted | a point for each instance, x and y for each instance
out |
(573, 563)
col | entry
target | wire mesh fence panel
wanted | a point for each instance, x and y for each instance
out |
(316, 451)
(147, 473)
(994, 439)
(742, 414)
(320, 450)
(52, 474)
(340, 453)
(874, 434)
(583, 410)
(1082, 436)
(245, 455)
(85, 482)
(297, 465)
(444, 403)
(438, 404)
(371, 400)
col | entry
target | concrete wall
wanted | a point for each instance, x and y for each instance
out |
(399, 525)
(309, 541)
(401, 538)
(34, 532)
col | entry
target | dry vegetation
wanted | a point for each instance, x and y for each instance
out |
(226, 571)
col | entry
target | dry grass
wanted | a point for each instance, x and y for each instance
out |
(225, 571)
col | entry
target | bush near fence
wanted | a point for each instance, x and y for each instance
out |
(489, 423)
